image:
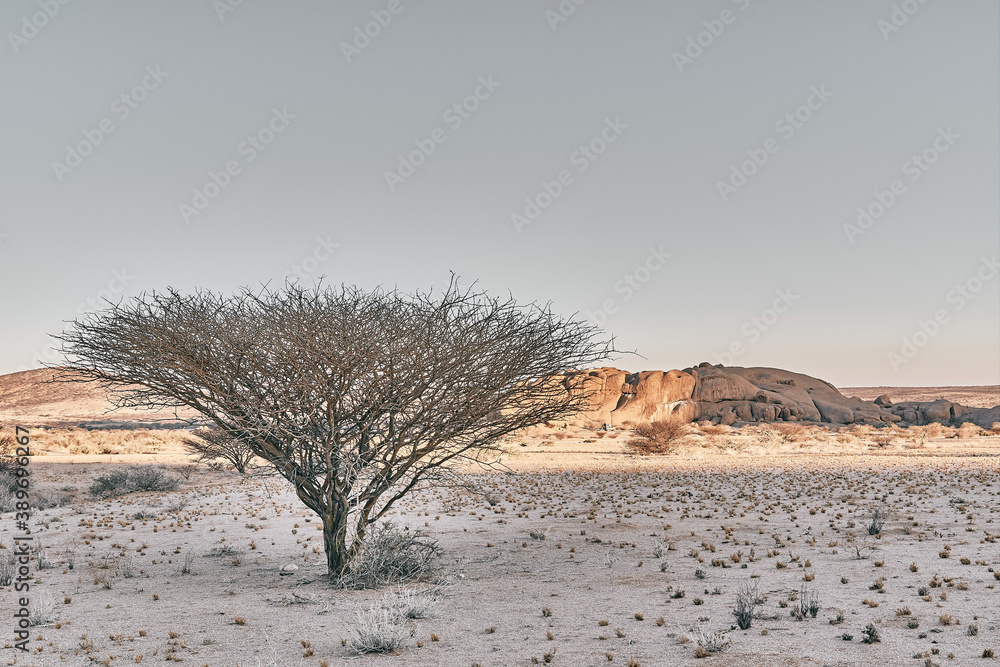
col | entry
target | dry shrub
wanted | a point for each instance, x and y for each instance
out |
(659, 437)
(884, 439)
(389, 556)
(935, 430)
(968, 430)
(862, 430)
(8, 447)
(995, 428)
(708, 428)
(133, 479)
(790, 431)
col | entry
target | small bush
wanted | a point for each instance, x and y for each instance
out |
(390, 555)
(877, 519)
(8, 447)
(871, 635)
(412, 605)
(747, 601)
(659, 437)
(810, 605)
(7, 499)
(968, 430)
(6, 571)
(42, 609)
(377, 630)
(131, 480)
(710, 642)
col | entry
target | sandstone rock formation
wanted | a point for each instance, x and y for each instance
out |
(943, 411)
(729, 394)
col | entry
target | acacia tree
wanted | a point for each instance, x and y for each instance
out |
(355, 397)
(216, 447)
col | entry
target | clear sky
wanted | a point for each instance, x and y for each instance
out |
(687, 174)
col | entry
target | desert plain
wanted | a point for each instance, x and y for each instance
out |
(570, 551)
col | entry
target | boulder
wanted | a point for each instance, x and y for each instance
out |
(883, 401)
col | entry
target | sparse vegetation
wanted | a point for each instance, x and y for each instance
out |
(133, 479)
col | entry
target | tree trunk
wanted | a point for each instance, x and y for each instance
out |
(335, 540)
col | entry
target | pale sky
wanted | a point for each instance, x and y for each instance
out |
(687, 174)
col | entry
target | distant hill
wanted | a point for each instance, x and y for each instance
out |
(985, 396)
(29, 398)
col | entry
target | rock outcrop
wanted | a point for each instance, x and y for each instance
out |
(726, 395)
(943, 411)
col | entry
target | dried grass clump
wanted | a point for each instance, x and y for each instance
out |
(7, 567)
(411, 605)
(709, 642)
(42, 609)
(934, 430)
(390, 555)
(708, 428)
(969, 430)
(377, 630)
(790, 431)
(659, 437)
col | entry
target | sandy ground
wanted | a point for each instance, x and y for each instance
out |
(576, 549)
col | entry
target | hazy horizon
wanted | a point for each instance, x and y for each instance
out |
(806, 186)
